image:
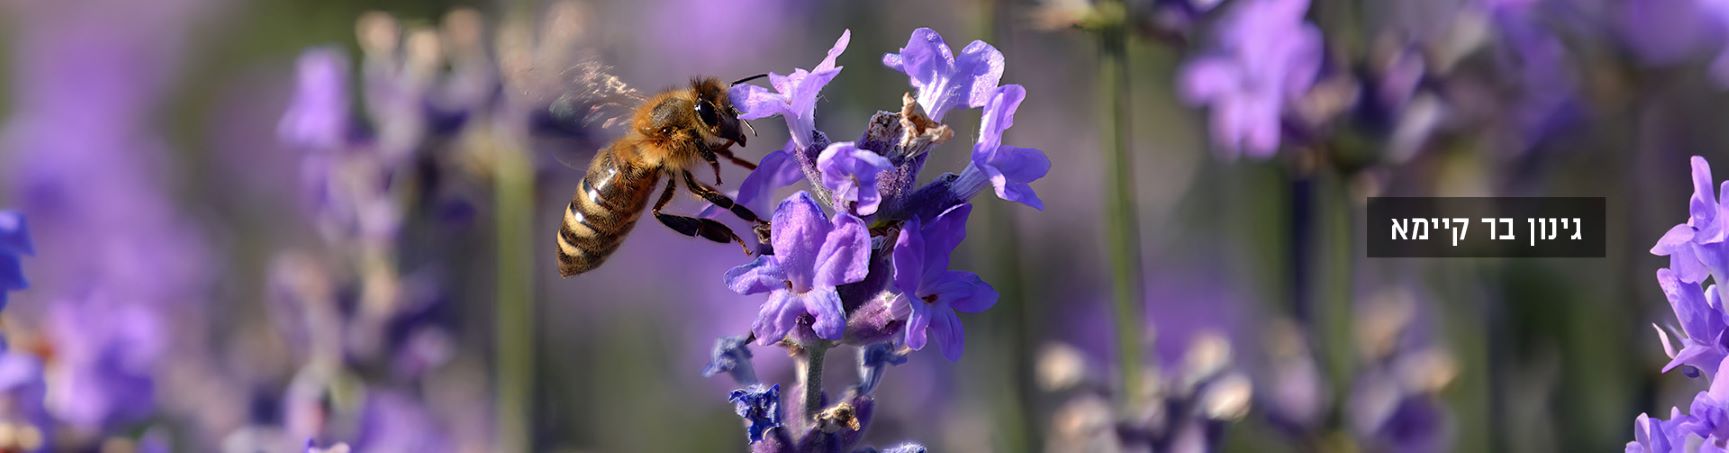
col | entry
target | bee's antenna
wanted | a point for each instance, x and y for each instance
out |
(747, 79)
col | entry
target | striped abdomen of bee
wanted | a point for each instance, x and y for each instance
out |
(604, 209)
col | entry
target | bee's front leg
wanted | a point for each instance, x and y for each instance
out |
(708, 155)
(726, 151)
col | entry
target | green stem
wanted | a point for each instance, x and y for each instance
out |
(513, 192)
(810, 379)
(1122, 233)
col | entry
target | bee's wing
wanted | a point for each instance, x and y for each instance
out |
(597, 98)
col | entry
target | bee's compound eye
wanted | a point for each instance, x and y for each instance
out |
(706, 111)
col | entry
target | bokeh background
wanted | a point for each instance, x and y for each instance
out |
(199, 286)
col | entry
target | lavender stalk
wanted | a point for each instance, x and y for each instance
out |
(513, 192)
(1122, 234)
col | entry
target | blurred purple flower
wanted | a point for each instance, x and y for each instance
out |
(1266, 57)
(760, 407)
(942, 79)
(317, 116)
(393, 421)
(106, 351)
(927, 287)
(1010, 169)
(850, 175)
(813, 255)
(794, 96)
(22, 390)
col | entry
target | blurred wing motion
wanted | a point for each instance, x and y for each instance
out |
(595, 98)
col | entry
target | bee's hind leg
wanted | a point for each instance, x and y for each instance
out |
(694, 226)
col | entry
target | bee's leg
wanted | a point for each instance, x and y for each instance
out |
(708, 155)
(694, 226)
(739, 161)
(720, 199)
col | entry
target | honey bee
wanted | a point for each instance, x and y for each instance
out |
(669, 134)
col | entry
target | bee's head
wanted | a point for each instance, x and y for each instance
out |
(714, 110)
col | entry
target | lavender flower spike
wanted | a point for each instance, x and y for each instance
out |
(1010, 169)
(1267, 56)
(928, 289)
(812, 256)
(794, 96)
(850, 173)
(943, 80)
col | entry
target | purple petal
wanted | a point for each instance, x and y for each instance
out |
(1688, 301)
(759, 276)
(1205, 79)
(850, 173)
(799, 231)
(908, 255)
(1720, 387)
(834, 52)
(776, 170)
(998, 116)
(981, 67)
(964, 291)
(1678, 235)
(1011, 169)
(917, 322)
(942, 236)
(778, 316)
(824, 304)
(845, 254)
(949, 335)
(923, 59)
(755, 102)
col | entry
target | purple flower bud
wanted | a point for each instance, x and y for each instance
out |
(850, 175)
